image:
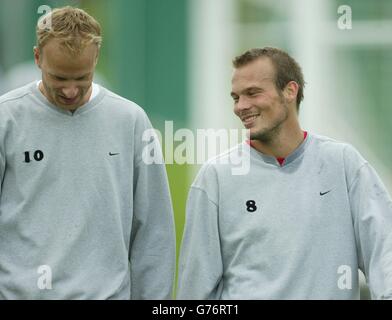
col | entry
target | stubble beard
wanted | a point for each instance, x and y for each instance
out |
(269, 135)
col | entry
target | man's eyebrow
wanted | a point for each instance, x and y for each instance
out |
(56, 75)
(83, 76)
(252, 88)
(64, 77)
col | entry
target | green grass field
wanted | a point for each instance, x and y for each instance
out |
(180, 181)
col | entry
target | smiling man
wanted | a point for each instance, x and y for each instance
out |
(82, 216)
(309, 214)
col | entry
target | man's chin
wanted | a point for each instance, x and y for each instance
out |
(68, 104)
(254, 134)
(264, 136)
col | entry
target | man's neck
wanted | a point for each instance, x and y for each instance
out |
(283, 144)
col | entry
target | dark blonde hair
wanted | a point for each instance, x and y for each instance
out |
(74, 27)
(287, 69)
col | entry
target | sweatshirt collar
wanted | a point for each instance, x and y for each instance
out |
(297, 153)
(82, 109)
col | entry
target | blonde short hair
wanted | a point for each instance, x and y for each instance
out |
(74, 27)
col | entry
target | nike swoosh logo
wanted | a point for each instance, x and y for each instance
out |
(323, 193)
(113, 154)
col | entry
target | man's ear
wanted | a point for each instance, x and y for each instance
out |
(37, 56)
(291, 91)
(97, 57)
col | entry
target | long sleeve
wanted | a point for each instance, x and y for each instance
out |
(152, 247)
(2, 164)
(200, 268)
(371, 206)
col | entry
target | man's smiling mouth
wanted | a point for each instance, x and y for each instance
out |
(248, 119)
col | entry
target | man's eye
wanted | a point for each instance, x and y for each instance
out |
(60, 79)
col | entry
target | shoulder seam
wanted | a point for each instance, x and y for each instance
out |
(15, 98)
(217, 157)
(357, 174)
(116, 96)
(205, 192)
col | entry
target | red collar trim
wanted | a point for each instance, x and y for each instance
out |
(280, 160)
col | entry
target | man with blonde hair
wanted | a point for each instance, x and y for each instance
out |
(82, 216)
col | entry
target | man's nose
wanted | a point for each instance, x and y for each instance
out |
(243, 103)
(70, 92)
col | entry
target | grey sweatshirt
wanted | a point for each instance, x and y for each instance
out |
(81, 215)
(297, 231)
